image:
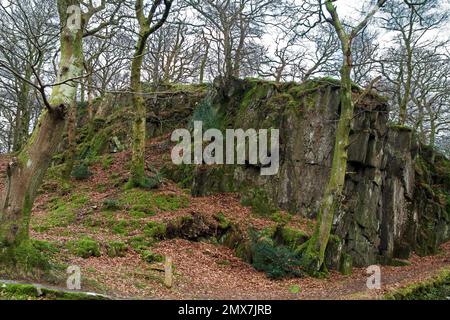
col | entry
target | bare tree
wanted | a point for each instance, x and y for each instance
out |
(232, 26)
(430, 96)
(174, 52)
(26, 171)
(149, 23)
(411, 21)
(314, 249)
(28, 37)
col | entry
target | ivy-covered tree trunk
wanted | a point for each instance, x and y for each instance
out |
(26, 171)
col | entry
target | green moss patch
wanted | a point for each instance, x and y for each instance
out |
(155, 230)
(85, 248)
(10, 291)
(142, 201)
(151, 257)
(116, 249)
(28, 257)
(260, 202)
(437, 288)
(61, 212)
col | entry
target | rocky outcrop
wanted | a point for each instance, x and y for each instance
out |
(395, 201)
(168, 107)
(387, 210)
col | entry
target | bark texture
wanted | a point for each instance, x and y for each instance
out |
(26, 171)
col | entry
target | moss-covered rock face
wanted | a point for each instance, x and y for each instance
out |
(395, 201)
(391, 206)
(168, 107)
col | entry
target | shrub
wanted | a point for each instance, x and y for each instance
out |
(45, 246)
(182, 174)
(85, 248)
(281, 217)
(224, 223)
(29, 256)
(116, 249)
(81, 172)
(155, 230)
(290, 237)
(149, 182)
(107, 162)
(276, 261)
(111, 204)
(153, 182)
(139, 243)
(151, 257)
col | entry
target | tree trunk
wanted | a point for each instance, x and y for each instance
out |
(228, 57)
(22, 122)
(203, 65)
(90, 96)
(137, 174)
(407, 94)
(71, 141)
(433, 138)
(238, 57)
(314, 250)
(314, 254)
(137, 178)
(26, 171)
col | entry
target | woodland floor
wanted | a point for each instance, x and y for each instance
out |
(203, 270)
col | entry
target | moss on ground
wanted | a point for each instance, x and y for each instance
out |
(437, 288)
(116, 249)
(10, 291)
(124, 226)
(143, 201)
(28, 257)
(84, 247)
(151, 257)
(290, 237)
(260, 202)
(155, 230)
(224, 223)
(61, 212)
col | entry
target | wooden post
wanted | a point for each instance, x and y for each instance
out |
(168, 272)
